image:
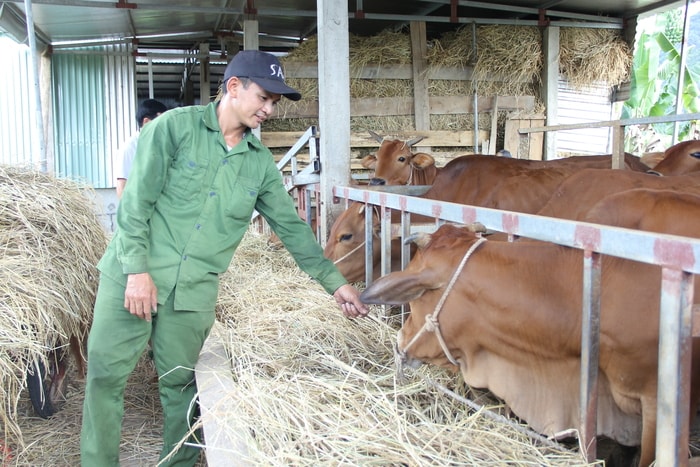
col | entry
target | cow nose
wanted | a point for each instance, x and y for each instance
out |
(377, 181)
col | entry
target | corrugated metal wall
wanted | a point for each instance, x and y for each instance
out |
(19, 135)
(576, 106)
(94, 111)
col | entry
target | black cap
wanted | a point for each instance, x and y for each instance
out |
(263, 69)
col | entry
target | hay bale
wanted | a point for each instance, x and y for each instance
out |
(51, 242)
(320, 389)
(590, 56)
(509, 60)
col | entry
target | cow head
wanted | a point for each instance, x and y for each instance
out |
(422, 285)
(346, 242)
(394, 163)
(679, 159)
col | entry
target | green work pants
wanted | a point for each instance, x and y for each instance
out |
(116, 342)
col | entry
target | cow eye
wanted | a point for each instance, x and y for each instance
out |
(402, 159)
(345, 237)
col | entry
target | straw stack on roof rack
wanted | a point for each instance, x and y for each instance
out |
(594, 56)
(50, 241)
(314, 388)
(508, 62)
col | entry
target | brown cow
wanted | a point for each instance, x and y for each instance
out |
(681, 158)
(663, 211)
(395, 163)
(577, 194)
(511, 322)
(496, 182)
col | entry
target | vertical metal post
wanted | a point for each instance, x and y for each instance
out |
(618, 147)
(681, 71)
(150, 78)
(590, 352)
(405, 252)
(386, 241)
(675, 349)
(369, 243)
(38, 114)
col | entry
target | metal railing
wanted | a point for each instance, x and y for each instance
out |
(678, 270)
(301, 184)
(618, 131)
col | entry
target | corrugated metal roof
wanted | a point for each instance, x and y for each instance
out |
(184, 25)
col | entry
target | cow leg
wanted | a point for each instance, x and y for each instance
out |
(76, 349)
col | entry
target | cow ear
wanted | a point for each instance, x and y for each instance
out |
(395, 288)
(422, 160)
(369, 162)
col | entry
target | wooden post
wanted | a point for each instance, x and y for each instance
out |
(550, 84)
(421, 103)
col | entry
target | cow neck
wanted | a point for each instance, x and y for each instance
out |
(431, 321)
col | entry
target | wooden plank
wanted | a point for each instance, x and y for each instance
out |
(309, 70)
(384, 106)
(226, 443)
(494, 127)
(286, 139)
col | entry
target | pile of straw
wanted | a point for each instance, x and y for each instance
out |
(315, 388)
(509, 60)
(592, 56)
(51, 241)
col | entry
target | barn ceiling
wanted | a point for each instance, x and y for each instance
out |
(182, 26)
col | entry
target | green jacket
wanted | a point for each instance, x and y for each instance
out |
(188, 202)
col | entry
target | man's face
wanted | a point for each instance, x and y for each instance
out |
(254, 105)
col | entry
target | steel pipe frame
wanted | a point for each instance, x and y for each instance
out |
(675, 309)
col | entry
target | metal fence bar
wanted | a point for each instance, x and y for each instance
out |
(615, 241)
(678, 256)
(369, 243)
(675, 349)
(590, 351)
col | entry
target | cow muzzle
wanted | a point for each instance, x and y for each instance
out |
(377, 181)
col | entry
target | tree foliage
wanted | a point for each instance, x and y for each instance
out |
(655, 75)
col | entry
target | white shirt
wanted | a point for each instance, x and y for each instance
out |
(125, 158)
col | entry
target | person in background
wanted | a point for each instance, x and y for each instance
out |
(147, 111)
(198, 176)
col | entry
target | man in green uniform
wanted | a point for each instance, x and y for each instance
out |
(186, 207)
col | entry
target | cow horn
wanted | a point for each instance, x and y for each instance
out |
(477, 227)
(378, 138)
(419, 238)
(413, 141)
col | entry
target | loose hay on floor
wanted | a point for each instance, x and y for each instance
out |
(315, 388)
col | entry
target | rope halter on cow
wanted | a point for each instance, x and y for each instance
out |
(431, 321)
